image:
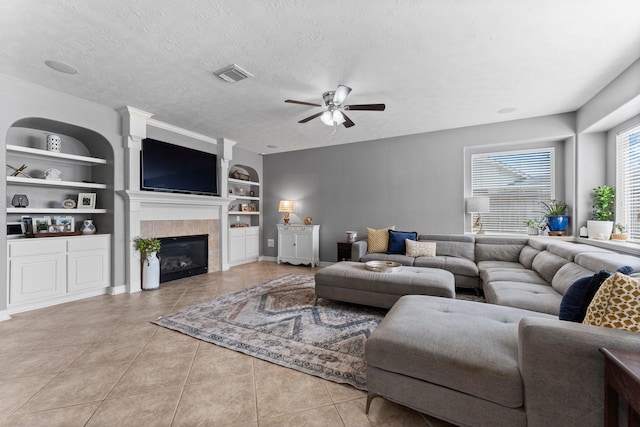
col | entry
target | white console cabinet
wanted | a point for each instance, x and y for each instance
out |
(244, 244)
(47, 271)
(299, 244)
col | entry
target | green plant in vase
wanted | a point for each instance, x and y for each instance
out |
(556, 216)
(604, 199)
(147, 246)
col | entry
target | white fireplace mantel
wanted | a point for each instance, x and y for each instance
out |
(150, 205)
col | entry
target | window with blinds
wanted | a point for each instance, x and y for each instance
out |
(628, 181)
(516, 182)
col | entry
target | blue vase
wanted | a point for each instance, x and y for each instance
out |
(557, 222)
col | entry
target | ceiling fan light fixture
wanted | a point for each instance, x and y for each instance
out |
(327, 118)
(337, 117)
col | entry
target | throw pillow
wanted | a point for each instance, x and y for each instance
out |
(579, 295)
(416, 249)
(396, 241)
(616, 304)
(378, 240)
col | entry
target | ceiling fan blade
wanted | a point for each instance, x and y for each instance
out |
(347, 121)
(291, 101)
(341, 94)
(365, 107)
(311, 117)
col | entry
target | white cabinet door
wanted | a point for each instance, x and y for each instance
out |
(36, 277)
(287, 244)
(304, 245)
(252, 242)
(236, 247)
(87, 270)
(244, 244)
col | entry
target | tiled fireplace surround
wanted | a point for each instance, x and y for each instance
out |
(176, 228)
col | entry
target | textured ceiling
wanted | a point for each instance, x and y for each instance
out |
(437, 64)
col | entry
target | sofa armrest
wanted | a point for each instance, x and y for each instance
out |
(563, 370)
(358, 250)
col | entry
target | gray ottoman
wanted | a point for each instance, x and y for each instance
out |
(352, 282)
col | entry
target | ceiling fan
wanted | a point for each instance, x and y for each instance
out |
(334, 115)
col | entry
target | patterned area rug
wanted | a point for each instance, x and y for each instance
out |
(278, 322)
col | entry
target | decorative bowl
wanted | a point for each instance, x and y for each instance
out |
(383, 266)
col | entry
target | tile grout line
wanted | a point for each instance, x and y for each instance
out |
(184, 384)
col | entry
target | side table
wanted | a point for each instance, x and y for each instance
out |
(344, 251)
(621, 378)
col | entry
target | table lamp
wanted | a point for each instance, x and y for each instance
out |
(478, 205)
(286, 206)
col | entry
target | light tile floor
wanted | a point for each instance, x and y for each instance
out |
(99, 362)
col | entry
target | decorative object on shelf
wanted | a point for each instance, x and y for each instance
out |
(68, 203)
(241, 191)
(244, 207)
(19, 201)
(308, 220)
(88, 227)
(151, 265)
(351, 236)
(557, 220)
(68, 222)
(601, 226)
(239, 225)
(252, 193)
(231, 191)
(478, 205)
(86, 201)
(54, 143)
(52, 174)
(232, 206)
(619, 233)
(41, 224)
(236, 174)
(584, 231)
(18, 171)
(286, 207)
(253, 207)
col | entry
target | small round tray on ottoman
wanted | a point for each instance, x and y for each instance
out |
(383, 266)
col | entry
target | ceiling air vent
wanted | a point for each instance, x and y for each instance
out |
(233, 73)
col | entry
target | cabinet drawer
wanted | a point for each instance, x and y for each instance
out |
(37, 246)
(88, 243)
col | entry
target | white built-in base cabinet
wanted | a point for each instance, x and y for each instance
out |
(47, 271)
(244, 245)
(299, 244)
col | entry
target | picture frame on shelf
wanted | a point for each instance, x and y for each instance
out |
(68, 222)
(252, 193)
(244, 207)
(41, 224)
(253, 207)
(86, 200)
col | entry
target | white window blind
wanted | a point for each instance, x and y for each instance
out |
(628, 181)
(516, 183)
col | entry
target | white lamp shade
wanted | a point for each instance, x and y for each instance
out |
(286, 206)
(478, 205)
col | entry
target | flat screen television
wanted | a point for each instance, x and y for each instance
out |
(173, 168)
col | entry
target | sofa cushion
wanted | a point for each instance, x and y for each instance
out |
(455, 245)
(378, 240)
(417, 249)
(610, 261)
(547, 264)
(496, 265)
(512, 275)
(539, 244)
(527, 255)
(575, 301)
(415, 339)
(402, 259)
(616, 304)
(396, 241)
(527, 296)
(458, 266)
(490, 248)
(567, 275)
(569, 250)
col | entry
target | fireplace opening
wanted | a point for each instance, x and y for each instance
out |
(183, 256)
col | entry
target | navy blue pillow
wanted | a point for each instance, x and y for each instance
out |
(579, 295)
(396, 241)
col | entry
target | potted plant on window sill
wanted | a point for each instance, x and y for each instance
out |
(151, 264)
(600, 227)
(535, 226)
(619, 233)
(557, 219)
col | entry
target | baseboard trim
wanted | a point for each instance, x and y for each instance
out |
(48, 302)
(117, 290)
(4, 315)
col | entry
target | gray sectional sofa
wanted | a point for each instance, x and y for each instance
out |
(508, 363)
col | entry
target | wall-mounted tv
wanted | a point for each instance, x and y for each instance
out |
(169, 167)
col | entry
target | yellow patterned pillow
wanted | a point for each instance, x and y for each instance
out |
(616, 304)
(420, 248)
(378, 240)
